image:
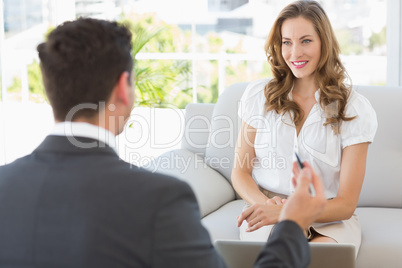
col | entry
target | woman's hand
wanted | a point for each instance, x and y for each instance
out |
(259, 215)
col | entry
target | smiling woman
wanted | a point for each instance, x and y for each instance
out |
(315, 114)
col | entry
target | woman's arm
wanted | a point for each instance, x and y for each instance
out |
(264, 211)
(241, 177)
(353, 168)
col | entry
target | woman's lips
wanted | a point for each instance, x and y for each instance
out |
(299, 64)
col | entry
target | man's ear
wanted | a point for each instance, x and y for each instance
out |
(121, 89)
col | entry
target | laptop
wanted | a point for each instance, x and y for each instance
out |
(243, 254)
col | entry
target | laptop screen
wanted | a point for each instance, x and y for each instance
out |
(243, 254)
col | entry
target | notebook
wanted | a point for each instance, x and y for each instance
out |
(243, 254)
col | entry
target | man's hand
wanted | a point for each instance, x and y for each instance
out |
(301, 207)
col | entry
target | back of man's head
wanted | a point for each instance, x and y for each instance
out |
(81, 61)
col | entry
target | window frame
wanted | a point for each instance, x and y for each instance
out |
(394, 43)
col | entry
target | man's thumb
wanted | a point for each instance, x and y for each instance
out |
(304, 178)
(306, 173)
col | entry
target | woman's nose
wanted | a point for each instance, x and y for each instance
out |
(297, 51)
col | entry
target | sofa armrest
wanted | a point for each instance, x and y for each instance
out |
(211, 189)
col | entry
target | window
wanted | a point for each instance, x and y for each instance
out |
(227, 38)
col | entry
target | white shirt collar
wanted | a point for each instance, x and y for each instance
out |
(86, 130)
(316, 95)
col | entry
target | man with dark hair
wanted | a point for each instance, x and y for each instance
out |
(73, 203)
(85, 66)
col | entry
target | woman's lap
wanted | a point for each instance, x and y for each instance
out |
(347, 231)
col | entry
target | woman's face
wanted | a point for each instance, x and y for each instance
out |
(301, 46)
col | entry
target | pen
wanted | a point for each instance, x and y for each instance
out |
(301, 166)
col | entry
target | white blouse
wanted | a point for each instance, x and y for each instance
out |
(276, 139)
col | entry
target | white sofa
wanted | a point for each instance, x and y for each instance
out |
(206, 157)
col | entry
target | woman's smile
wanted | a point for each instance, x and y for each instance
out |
(299, 64)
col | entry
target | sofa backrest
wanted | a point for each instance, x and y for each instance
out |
(212, 129)
(382, 185)
(225, 126)
(197, 127)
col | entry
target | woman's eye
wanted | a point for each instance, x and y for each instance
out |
(286, 42)
(306, 41)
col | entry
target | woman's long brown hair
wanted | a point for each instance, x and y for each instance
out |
(330, 73)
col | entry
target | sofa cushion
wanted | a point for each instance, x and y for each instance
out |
(211, 189)
(222, 224)
(381, 237)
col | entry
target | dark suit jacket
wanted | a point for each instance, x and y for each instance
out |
(64, 206)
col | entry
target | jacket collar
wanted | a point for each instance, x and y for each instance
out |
(71, 144)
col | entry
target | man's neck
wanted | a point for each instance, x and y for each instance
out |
(103, 123)
(84, 129)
